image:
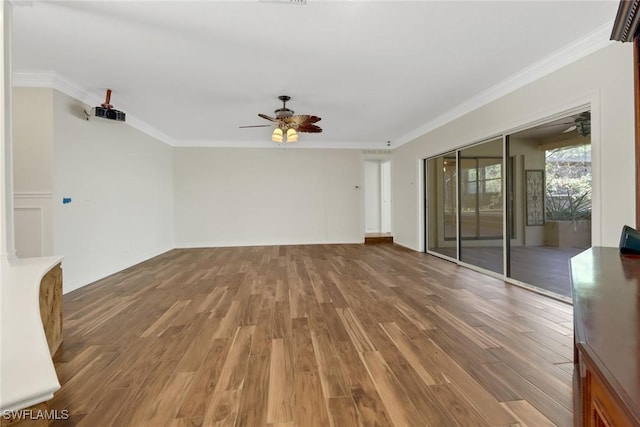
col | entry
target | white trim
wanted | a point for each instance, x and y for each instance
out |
(32, 195)
(200, 245)
(587, 45)
(301, 144)
(422, 212)
(406, 245)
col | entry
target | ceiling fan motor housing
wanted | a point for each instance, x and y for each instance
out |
(283, 112)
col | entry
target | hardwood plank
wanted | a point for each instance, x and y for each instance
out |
(526, 414)
(465, 385)
(204, 384)
(343, 412)
(223, 409)
(410, 352)
(422, 396)
(163, 322)
(355, 330)
(304, 359)
(235, 366)
(331, 376)
(280, 395)
(310, 408)
(255, 392)
(538, 398)
(167, 403)
(401, 411)
(363, 392)
(461, 412)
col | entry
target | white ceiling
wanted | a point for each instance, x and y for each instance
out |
(373, 70)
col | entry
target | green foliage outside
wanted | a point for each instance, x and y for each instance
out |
(568, 183)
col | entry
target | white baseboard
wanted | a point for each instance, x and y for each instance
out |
(200, 245)
(406, 245)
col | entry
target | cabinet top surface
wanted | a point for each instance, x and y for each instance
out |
(606, 297)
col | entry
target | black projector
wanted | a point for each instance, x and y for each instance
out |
(109, 114)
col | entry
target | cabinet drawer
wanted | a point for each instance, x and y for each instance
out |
(603, 411)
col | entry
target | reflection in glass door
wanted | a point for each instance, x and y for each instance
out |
(552, 203)
(442, 204)
(481, 204)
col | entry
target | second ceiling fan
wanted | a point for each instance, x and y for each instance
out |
(289, 124)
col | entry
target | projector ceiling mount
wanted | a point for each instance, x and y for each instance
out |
(106, 111)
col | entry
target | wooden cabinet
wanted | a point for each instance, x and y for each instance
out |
(51, 307)
(606, 297)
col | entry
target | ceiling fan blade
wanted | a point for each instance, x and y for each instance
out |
(313, 119)
(301, 120)
(309, 128)
(553, 124)
(570, 129)
(271, 119)
(255, 126)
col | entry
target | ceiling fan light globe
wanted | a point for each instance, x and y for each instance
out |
(277, 135)
(292, 135)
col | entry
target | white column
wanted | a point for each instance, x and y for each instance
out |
(7, 241)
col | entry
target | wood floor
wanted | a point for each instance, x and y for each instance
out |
(323, 335)
(545, 267)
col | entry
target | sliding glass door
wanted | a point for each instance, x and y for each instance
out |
(534, 185)
(464, 205)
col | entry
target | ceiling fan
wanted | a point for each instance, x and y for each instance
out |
(287, 124)
(581, 123)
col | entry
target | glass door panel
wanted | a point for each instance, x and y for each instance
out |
(481, 195)
(552, 190)
(442, 204)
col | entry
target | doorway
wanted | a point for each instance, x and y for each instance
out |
(377, 196)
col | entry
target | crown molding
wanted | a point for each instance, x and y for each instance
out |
(592, 42)
(53, 80)
(627, 23)
(301, 144)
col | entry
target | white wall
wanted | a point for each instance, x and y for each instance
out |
(236, 197)
(372, 191)
(603, 79)
(33, 140)
(32, 120)
(121, 185)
